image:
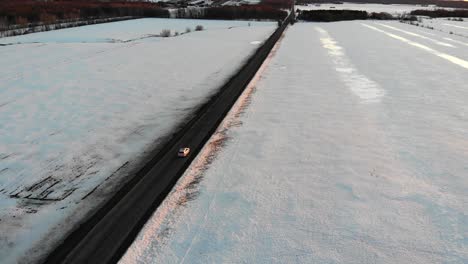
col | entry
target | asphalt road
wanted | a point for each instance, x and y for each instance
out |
(106, 235)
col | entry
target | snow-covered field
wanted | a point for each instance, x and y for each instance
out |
(351, 148)
(124, 31)
(78, 112)
(392, 9)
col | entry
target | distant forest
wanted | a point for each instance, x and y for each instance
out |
(245, 12)
(340, 15)
(331, 15)
(441, 13)
(23, 12)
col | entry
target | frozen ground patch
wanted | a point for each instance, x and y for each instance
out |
(310, 174)
(77, 118)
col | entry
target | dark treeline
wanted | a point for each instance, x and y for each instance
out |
(453, 4)
(331, 15)
(441, 13)
(266, 9)
(245, 12)
(20, 12)
(40, 27)
(29, 13)
(279, 4)
(441, 3)
(311, 2)
(338, 15)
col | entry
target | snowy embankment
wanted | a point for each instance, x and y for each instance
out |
(81, 107)
(351, 148)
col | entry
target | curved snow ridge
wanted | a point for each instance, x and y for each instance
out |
(366, 89)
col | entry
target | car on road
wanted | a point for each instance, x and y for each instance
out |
(183, 152)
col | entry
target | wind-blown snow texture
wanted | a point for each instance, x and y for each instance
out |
(78, 116)
(353, 150)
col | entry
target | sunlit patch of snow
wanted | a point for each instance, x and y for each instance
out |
(456, 29)
(450, 58)
(366, 89)
(456, 26)
(417, 35)
(457, 41)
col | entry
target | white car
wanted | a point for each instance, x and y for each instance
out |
(183, 152)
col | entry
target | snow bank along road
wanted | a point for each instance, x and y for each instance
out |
(353, 150)
(81, 108)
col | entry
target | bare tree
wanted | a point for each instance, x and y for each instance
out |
(165, 33)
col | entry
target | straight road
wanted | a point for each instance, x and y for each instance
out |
(106, 236)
